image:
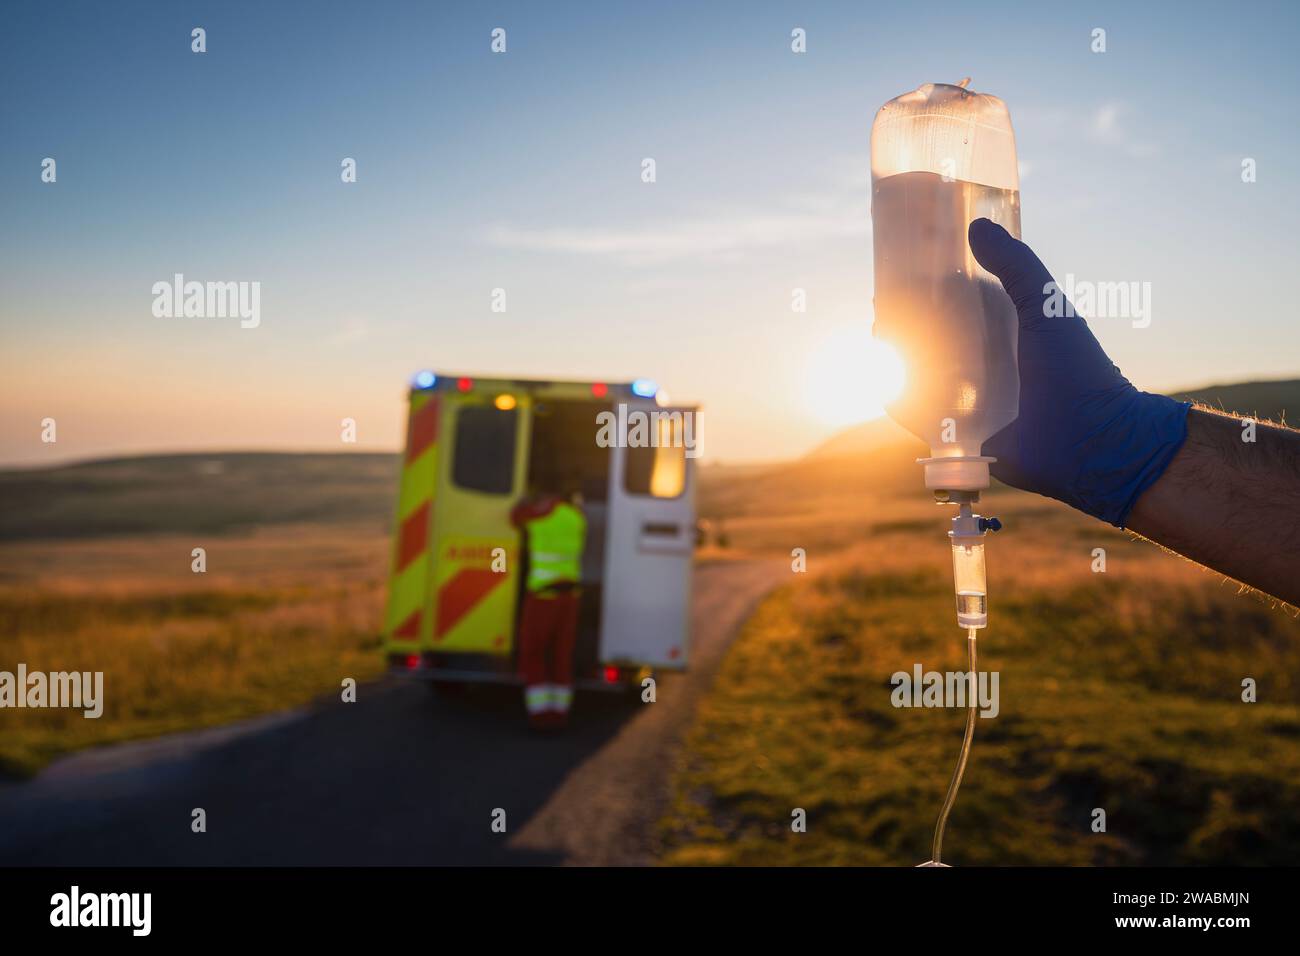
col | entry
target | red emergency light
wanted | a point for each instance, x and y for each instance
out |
(412, 661)
(464, 384)
(599, 389)
(611, 675)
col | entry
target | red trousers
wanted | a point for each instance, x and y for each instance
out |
(548, 631)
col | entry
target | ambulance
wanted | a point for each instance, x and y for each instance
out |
(475, 447)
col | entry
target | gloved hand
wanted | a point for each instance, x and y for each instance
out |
(1085, 435)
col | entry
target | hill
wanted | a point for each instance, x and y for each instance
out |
(201, 493)
(862, 461)
(879, 456)
(1263, 400)
(229, 491)
(1271, 400)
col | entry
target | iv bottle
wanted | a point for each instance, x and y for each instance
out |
(943, 156)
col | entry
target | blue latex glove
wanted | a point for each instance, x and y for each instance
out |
(1085, 435)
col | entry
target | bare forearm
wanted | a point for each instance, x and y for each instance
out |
(1230, 504)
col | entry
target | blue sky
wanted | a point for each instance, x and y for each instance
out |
(522, 171)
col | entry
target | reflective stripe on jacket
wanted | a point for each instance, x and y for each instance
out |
(555, 542)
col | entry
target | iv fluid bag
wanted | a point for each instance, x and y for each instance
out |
(942, 157)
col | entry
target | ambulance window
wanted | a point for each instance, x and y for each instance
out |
(485, 449)
(657, 471)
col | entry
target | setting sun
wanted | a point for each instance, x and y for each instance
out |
(851, 377)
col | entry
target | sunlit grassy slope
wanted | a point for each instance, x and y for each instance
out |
(1119, 690)
(212, 493)
(95, 575)
(282, 615)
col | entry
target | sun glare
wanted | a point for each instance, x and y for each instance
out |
(851, 377)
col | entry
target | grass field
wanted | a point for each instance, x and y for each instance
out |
(282, 615)
(202, 494)
(95, 575)
(1118, 690)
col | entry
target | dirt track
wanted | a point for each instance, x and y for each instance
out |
(396, 778)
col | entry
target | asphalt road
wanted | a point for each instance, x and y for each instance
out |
(399, 777)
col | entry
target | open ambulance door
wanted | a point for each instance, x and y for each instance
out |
(649, 549)
(475, 549)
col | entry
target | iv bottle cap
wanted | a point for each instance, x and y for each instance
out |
(967, 473)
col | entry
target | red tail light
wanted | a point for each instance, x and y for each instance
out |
(412, 661)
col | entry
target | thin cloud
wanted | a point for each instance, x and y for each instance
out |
(1108, 129)
(1108, 125)
(351, 332)
(726, 238)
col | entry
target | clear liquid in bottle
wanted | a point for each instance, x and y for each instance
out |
(948, 318)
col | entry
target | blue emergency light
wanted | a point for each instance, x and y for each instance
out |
(425, 379)
(644, 387)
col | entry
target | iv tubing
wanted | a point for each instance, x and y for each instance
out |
(937, 847)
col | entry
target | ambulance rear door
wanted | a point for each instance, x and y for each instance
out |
(476, 553)
(650, 543)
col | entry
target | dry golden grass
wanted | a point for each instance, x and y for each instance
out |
(1119, 690)
(282, 615)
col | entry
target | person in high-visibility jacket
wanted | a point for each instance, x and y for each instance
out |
(555, 532)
